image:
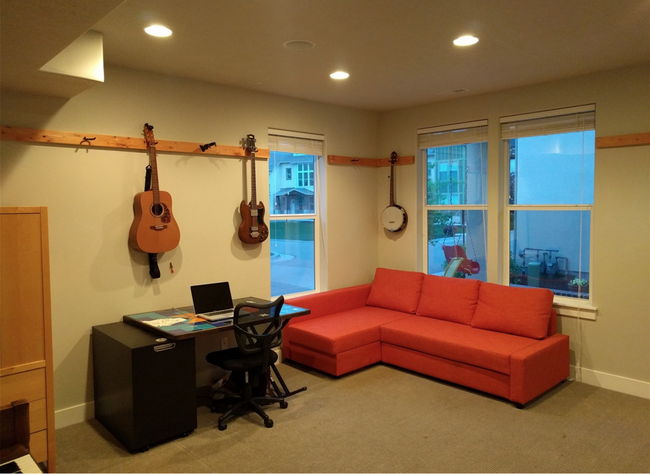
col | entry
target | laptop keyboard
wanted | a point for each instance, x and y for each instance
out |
(217, 315)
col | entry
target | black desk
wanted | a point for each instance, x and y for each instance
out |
(181, 323)
(145, 386)
(144, 373)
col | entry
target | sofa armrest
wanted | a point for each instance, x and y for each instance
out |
(331, 302)
(538, 368)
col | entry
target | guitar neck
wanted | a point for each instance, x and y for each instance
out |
(154, 175)
(253, 182)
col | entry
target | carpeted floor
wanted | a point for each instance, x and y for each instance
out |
(383, 419)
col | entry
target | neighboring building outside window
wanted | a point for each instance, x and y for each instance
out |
(293, 211)
(455, 207)
(306, 174)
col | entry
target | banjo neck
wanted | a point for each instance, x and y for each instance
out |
(394, 217)
(393, 159)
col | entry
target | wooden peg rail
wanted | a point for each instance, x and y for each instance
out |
(623, 140)
(123, 143)
(375, 162)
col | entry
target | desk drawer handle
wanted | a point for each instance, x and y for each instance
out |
(164, 347)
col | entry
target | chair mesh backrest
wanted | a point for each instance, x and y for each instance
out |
(258, 334)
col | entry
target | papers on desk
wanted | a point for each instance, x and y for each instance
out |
(165, 322)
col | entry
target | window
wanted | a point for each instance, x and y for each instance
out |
(455, 207)
(306, 174)
(294, 219)
(550, 158)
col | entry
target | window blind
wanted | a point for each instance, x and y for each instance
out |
(576, 119)
(295, 142)
(456, 134)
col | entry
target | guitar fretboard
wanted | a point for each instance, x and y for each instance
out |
(251, 149)
(254, 181)
(154, 175)
(151, 145)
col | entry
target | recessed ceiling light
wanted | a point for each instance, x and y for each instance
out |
(339, 75)
(298, 44)
(465, 41)
(158, 30)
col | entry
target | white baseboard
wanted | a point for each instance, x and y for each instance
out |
(638, 388)
(73, 415)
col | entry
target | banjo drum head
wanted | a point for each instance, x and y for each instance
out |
(393, 218)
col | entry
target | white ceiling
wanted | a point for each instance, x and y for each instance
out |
(398, 52)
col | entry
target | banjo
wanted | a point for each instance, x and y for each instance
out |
(394, 217)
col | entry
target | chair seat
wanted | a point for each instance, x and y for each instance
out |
(233, 359)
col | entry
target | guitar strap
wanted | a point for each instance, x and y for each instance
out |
(147, 178)
(154, 271)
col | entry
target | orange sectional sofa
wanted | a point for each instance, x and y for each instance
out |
(498, 339)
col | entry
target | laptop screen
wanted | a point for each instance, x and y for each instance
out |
(211, 297)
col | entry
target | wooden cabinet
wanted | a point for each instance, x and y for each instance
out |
(26, 366)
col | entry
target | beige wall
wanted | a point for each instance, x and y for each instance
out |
(618, 341)
(95, 277)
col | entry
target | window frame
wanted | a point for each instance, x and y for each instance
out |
(565, 305)
(318, 177)
(463, 134)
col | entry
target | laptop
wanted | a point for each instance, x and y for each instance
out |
(213, 301)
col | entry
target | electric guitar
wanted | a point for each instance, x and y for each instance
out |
(154, 229)
(394, 217)
(252, 229)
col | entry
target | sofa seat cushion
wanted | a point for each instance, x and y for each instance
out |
(451, 299)
(457, 342)
(340, 332)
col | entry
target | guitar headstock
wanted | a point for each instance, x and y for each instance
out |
(393, 158)
(148, 135)
(250, 143)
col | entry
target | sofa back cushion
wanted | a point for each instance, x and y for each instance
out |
(520, 311)
(450, 299)
(396, 289)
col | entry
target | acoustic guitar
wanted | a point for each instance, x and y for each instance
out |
(154, 229)
(252, 229)
(394, 217)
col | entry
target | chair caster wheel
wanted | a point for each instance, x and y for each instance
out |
(268, 423)
(222, 426)
(284, 404)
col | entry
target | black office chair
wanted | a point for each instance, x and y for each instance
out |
(256, 337)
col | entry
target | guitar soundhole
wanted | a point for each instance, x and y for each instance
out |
(161, 211)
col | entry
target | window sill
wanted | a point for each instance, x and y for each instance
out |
(575, 309)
